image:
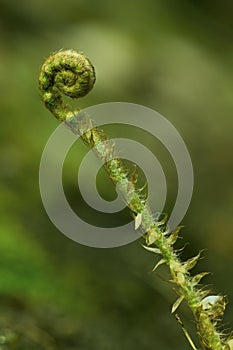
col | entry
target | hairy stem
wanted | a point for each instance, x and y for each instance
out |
(70, 73)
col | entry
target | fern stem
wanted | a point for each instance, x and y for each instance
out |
(72, 73)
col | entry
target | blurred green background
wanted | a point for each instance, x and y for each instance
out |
(173, 56)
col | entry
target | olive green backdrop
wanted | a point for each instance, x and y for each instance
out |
(173, 56)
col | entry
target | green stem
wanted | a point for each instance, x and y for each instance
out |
(71, 73)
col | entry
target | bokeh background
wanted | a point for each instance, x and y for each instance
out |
(173, 56)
